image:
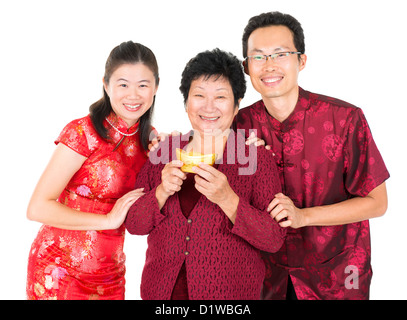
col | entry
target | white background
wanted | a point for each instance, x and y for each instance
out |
(51, 67)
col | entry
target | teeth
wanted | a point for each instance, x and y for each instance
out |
(132, 106)
(272, 80)
(211, 119)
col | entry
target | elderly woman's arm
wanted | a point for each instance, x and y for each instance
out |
(250, 219)
(145, 213)
(255, 227)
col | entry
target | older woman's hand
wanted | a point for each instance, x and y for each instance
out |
(171, 181)
(116, 217)
(215, 186)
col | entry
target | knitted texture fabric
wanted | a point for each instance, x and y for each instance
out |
(223, 260)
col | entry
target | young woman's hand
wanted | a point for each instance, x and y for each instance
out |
(116, 217)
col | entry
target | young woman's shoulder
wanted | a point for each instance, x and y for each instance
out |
(80, 135)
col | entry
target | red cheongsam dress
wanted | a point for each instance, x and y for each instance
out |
(70, 264)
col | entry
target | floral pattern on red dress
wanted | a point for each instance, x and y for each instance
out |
(71, 264)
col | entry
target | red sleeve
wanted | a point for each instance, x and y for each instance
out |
(74, 136)
(144, 215)
(253, 223)
(364, 166)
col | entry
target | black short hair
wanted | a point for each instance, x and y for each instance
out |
(275, 19)
(216, 63)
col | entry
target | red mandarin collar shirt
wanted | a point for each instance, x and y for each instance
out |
(325, 154)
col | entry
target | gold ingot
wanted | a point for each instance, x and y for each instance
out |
(192, 159)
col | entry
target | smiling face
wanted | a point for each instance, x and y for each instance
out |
(210, 105)
(274, 79)
(131, 90)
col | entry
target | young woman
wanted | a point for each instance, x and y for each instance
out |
(206, 228)
(84, 194)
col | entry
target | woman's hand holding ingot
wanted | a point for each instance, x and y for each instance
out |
(215, 186)
(171, 181)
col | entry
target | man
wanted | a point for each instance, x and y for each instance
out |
(332, 173)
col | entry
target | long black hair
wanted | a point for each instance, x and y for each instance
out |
(125, 53)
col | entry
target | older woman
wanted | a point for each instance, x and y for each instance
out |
(206, 228)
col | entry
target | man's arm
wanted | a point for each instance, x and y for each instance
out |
(283, 210)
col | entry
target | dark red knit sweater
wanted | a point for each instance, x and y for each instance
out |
(222, 259)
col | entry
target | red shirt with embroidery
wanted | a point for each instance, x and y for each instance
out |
(326, 154)
(222, 260)
(71, 264)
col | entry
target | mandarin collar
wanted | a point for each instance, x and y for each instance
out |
(303, 104)
(119, 124)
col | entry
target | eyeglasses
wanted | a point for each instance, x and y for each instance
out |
(276, 57)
